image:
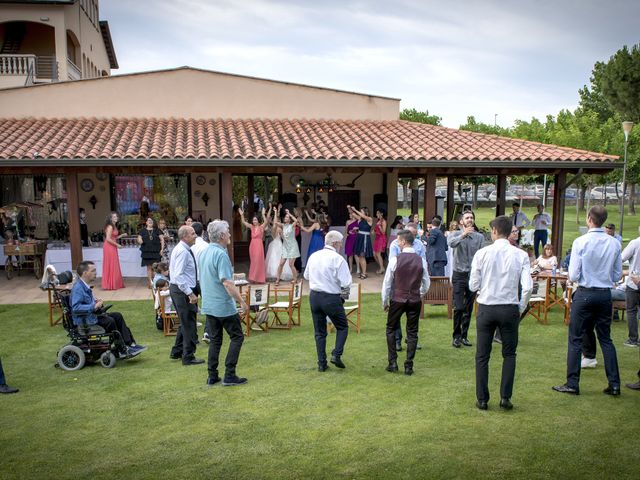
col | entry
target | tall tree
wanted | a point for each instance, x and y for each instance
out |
(619, 81)
(413, 115)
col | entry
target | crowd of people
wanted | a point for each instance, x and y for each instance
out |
(495, 273)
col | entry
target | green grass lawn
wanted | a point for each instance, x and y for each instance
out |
(571, 227)
(153, 418)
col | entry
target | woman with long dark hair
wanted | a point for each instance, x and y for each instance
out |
(111, 273)
(151, 241)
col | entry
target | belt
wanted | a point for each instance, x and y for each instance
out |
(364, 233)
(324, 293)
(594, 289)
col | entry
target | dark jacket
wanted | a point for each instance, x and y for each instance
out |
(436, 246)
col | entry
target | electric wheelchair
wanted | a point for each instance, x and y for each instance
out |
(88, 343)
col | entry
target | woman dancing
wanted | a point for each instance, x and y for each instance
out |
(318, 230)
(257, 270)
(274, 253)
(362, 248)
(380, 243)
(151, 241)
(351, 229)
(290, 250)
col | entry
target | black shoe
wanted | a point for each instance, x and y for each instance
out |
(323, 368)
(392, 367)
(7, 389)
(337, 362)
(398, 346)
(466, 342)
(192, 361)
(418, 346)
(213, 380)
(566, 389)
(233, 381)
(408, 370)
(175, 357)
(633, 386)
(456, 343)
(506, 404)
(613, 391)
(482, 405)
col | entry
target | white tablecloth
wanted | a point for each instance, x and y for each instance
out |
(129, 260)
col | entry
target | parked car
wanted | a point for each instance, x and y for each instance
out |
(509, 196)
(611, 193)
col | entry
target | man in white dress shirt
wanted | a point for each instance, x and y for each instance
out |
(328, 275)
(496, 273)
(519, 219)
(541, 222)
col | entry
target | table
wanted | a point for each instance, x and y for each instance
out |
(554, 294)
(129, 260)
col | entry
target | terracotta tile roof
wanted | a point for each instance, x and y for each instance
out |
(267, 140)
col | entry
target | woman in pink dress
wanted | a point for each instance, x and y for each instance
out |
(380, 242)
(257, 269)
(351, 230)
(111, 274)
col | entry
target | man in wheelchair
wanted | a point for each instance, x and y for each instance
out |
(87, 310)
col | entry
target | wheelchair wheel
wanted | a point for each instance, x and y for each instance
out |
(71, 358)
(37, 267)
(108, 360)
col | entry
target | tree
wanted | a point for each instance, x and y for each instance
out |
(619, 81)
(413, 115)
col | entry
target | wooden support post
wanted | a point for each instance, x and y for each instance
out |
(557, 220)
(429, 198)
(250, 193)
(392, 194)
(73, 205)
(501, 190)
(226, 207)
(451, 185)
(415, 204)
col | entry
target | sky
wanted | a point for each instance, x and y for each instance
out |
(515, 58)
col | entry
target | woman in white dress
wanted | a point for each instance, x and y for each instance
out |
(274, 254)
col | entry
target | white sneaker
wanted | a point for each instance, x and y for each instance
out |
(205, 337)
(588, 362)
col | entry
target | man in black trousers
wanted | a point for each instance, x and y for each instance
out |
(405, 283)
(328, 275)
(184, 291)
(496, 273)
(596, 264)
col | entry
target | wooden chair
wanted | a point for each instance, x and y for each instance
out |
(170, 320)
(568, 297)
(618, 305)
(537, 302)
(352, 305)
(258, 302)
(440, 293)
(287, 299)
(56, 312)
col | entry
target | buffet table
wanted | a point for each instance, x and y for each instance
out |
(129, 260)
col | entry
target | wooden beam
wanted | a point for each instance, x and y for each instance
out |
(226, 207)
(429, 198)
(557, 220)
(501, 190)
(73, 204)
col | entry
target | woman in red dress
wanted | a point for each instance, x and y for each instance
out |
(111, 274)
(257, 268)
(380, 243)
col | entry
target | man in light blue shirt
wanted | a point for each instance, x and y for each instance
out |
(596, 264)
(418, 246)
(219, 297)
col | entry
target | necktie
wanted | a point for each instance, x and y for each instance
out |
(195, 264)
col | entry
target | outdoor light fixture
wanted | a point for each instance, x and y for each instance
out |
(205, 199)
(626, 128)
(93, 200)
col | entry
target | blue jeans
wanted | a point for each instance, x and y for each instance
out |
(2, 379)
(540, 237)
(591, 308)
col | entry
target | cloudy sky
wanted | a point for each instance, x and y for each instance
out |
(515, 58)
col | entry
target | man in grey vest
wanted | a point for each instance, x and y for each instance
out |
(405, 282)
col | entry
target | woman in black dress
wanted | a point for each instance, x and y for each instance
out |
(151, 241)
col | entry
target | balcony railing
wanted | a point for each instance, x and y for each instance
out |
(47, 68)
(19, 65)
(73, 71)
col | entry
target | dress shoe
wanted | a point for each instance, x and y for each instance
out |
(506, 404)
(233, 381)
(613, 391)
(392, 367)
(192, 361)
(323, 368)
(7, 389)
(175, 357)
(633, 386)
(482, 405)
(466, 342)
(398, 346)
(456, 343)
(337, 362)
(213, 380)
(566, 389)
(408, 370)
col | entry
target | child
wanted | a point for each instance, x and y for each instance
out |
(161, 270)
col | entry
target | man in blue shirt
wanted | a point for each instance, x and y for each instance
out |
(219, 297)
(596, 264)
